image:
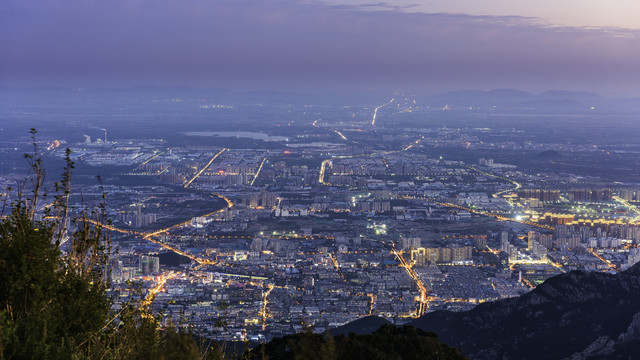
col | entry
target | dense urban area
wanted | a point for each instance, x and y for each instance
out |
(272, 218)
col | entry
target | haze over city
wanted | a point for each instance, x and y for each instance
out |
(323, 45)
(334, 179)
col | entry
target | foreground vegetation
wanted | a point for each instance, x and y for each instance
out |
(54, 303)
(388, 342)
(54, 278)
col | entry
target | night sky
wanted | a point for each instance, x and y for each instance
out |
(434, 45)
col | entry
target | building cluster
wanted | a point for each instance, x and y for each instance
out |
(257, 243)
(540, 194)
(134, 217)
(586, 195)
(453, 254)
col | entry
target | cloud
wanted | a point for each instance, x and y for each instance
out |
(371, 6)
(282, 43)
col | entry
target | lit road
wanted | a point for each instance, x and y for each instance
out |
(202, 261)
(337, 266)
(323, 166)
(555, 264)
(423, 299)
(163, 170)
(187, 222)
(154, 156)
(492, 250)
(515, 183)
(149, 236)
(258, 172)
(186, 185)
(480, 212)
(412, 144)
(375, 111)
(324, 163)
(499, 217)
(263, 311)
(609, 264)
(385, 164)
(372, 302)
(54, 144)
(545, 261)
(629, 206)
(342, 136)
(148, 300)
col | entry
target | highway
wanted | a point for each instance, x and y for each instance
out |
(410, 145)
(372, 302)
(499, 217)
(342, 136)
(375, 111)
(148, 300)
(323, 165)
(153, 157)
(610, 265)
(265, 302)
(422, 299)
(323, 168)
(629, 206)
(515, 183)
(337, 266)
(186, 185)
(149, 236)
(479, 212)
(258, 172)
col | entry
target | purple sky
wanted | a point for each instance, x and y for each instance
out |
(289, 44)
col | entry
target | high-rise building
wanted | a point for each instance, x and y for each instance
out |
(480, 242)
(461, 253)
(504, 240)
(155, 264)
(627, 194)
(257, 244)
(419, 256)
(634, 256)
(540, 194)
(423, 256)
(513, 252)
(539, 250)
(408, 243)
(545, 240)
(531, 238)
(148, 264)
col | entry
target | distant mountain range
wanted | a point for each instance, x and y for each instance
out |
(219, 95)
(511, 96)
(578, 315)
(498, 99)
(520, 101)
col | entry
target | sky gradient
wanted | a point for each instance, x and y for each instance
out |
(580, 13)
(298, 44)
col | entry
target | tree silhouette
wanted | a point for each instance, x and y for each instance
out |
(54, 278)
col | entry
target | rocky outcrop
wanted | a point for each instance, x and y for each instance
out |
(578, 315)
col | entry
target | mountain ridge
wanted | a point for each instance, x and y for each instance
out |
(563, 317)
(577, 315)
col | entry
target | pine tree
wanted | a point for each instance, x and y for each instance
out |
(53, 303)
